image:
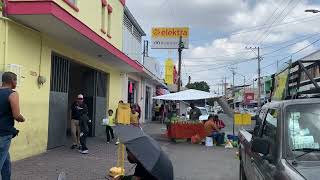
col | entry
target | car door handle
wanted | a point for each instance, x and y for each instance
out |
(252, 160)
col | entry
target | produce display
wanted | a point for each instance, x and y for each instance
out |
(181, 129)
(116, 171)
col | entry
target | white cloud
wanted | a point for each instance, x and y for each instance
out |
(212, 21)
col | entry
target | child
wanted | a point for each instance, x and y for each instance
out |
(134, 117)
(109, 129)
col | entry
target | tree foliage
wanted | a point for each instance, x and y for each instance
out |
(202, 86)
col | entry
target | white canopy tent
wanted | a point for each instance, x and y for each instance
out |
(190, 94)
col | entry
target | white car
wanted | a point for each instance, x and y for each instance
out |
(204, 113)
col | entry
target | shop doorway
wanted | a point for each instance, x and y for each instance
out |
(148, 104)
(68, 79)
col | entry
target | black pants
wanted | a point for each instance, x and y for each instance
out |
(83, 141)
(109, 131)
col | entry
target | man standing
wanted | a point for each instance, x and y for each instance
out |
(9, 111)
(194, 113)
(79, 108)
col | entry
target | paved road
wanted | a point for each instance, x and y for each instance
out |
(191, 162)
(197, 162)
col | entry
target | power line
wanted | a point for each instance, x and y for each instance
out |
(270, 17)
(295, 39)
(290, 44)
(290, 10)
(270, 25)
(242, 61)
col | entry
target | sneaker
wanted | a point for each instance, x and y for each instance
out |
(117, 142)
(73, 146)
(108, 142)
(85, 152)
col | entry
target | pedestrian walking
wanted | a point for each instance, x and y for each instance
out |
(9, 111)
(109, 130)
(84, 131)
(77, 110)
(161, 112)
(138, 110)
(157, 112)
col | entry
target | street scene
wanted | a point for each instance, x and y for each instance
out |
(159, 90)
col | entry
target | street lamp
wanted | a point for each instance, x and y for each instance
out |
(312, 10)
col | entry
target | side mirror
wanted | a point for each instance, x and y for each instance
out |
(260, 145)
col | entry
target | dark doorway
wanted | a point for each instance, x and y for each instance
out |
(92, 84)
(147, 103)
(68, 79)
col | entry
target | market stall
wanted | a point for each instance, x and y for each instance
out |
(185, 130)
(179, 128)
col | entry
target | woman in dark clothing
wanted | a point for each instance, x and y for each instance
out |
(140, 172)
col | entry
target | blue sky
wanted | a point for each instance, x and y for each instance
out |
(220, 31)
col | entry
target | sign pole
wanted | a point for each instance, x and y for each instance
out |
(181, 46)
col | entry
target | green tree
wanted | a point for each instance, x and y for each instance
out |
(202, 86)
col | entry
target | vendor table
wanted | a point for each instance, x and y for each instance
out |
(185, 130)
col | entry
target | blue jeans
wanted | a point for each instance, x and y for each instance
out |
(5, 163)
(218, 137)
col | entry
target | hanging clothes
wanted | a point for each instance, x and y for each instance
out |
(130, 88)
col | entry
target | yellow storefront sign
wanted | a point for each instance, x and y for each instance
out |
(170, 32)
(242, 119)
(169, 67)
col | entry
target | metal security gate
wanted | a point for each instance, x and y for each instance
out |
(100, 101)
(58, 101)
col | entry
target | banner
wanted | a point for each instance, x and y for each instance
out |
(169, 70)
(168, 38)
(248, 97)
(280, 83)
(242, 119)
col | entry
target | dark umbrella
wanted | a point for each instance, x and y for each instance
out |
(146, 150)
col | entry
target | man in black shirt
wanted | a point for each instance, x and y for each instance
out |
(79, 108)
(9, 111)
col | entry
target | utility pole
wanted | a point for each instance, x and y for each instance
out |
(234, 97)
(259, 74)
(225, 86)
(259, 80)
(180, 48)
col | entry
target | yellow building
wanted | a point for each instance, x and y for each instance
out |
(58, 49)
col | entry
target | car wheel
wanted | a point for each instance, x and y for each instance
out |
(242, 175)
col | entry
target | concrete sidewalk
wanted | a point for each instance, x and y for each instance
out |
(190, 161)
(47, 166)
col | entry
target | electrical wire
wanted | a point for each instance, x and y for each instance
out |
(290, 45)
(291, 9)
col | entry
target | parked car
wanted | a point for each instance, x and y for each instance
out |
(204, 113)
(284, 144)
